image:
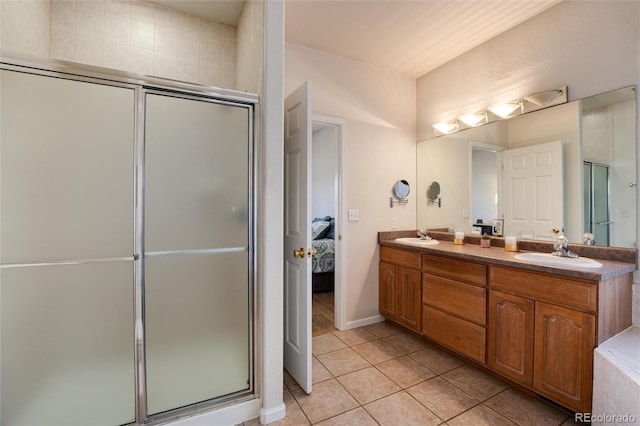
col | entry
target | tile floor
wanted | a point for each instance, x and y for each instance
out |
(382, 374)
(322, 313)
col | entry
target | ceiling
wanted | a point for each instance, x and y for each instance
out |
(405, 37)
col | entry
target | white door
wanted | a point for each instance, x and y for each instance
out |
(297, 236)
(533, 191)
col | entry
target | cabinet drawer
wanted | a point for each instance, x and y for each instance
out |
(551, 288)
(463, 300)
(410, 259)
(454, 333)
(459, 270)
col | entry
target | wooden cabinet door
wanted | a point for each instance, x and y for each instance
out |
(511, 322)
(564, 343)
(409, 298)
(387, 290)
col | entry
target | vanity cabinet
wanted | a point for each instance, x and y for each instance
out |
(542, 333)
(510, 351)
(535, 328)
(454, 304)
(400, 287)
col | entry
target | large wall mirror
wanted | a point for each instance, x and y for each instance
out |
(571, 166)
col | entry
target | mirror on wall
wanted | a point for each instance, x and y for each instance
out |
(571, 166)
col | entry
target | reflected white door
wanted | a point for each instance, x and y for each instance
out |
(533, 190)
(297, 236)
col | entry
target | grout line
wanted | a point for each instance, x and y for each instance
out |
(480, 402)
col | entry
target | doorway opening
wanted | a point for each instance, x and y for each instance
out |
(326, 189)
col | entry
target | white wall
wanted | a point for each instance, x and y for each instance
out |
(379, 109)
(325, 171)
(250, 49)
(590, 46)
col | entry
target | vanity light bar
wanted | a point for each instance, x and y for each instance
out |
(503, 110)
(446, 127)
(474, 119)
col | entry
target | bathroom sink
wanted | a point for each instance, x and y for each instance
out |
(416, 242)
(551, 260)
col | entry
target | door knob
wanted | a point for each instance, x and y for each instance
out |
(299, 253)
(312, 252)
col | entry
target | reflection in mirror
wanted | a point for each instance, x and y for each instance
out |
(433, 192)
(598, 194)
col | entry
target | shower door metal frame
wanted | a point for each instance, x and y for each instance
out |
(142, 85)
(592, 200)
(139, 303)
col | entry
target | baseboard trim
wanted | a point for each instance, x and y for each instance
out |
(231, 415)
(271, 415)
(364, 321)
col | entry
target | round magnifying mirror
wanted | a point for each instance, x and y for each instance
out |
(401, 189)
(433, 191)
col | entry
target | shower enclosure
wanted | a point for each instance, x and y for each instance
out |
(126, 248)
(596, 202)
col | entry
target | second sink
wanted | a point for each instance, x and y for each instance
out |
(551, 260)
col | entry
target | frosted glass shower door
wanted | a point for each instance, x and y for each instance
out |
(197, 266)
(66, 251)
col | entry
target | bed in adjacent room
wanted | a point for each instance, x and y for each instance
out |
(323, 263)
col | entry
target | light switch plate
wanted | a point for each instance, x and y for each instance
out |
(354, 215)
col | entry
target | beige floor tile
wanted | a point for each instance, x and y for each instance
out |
(377, 351)
(442, 398)
(525, 409)
(437, 360)
(571, 421)
(294, 416)
(326, 343)
(401, 409)
(480, 416)
(405, 371)
(407, 342)
(475, 382)
(319, 373)
(357, 417)
(328, 399)
(355, 336)
(368, 385)
(343, 361)
(289, 382)
(383, 329)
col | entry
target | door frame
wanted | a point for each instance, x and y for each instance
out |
(340, 273)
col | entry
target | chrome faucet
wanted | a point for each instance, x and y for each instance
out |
(561, 247)
(422, 233)
(589, 239)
